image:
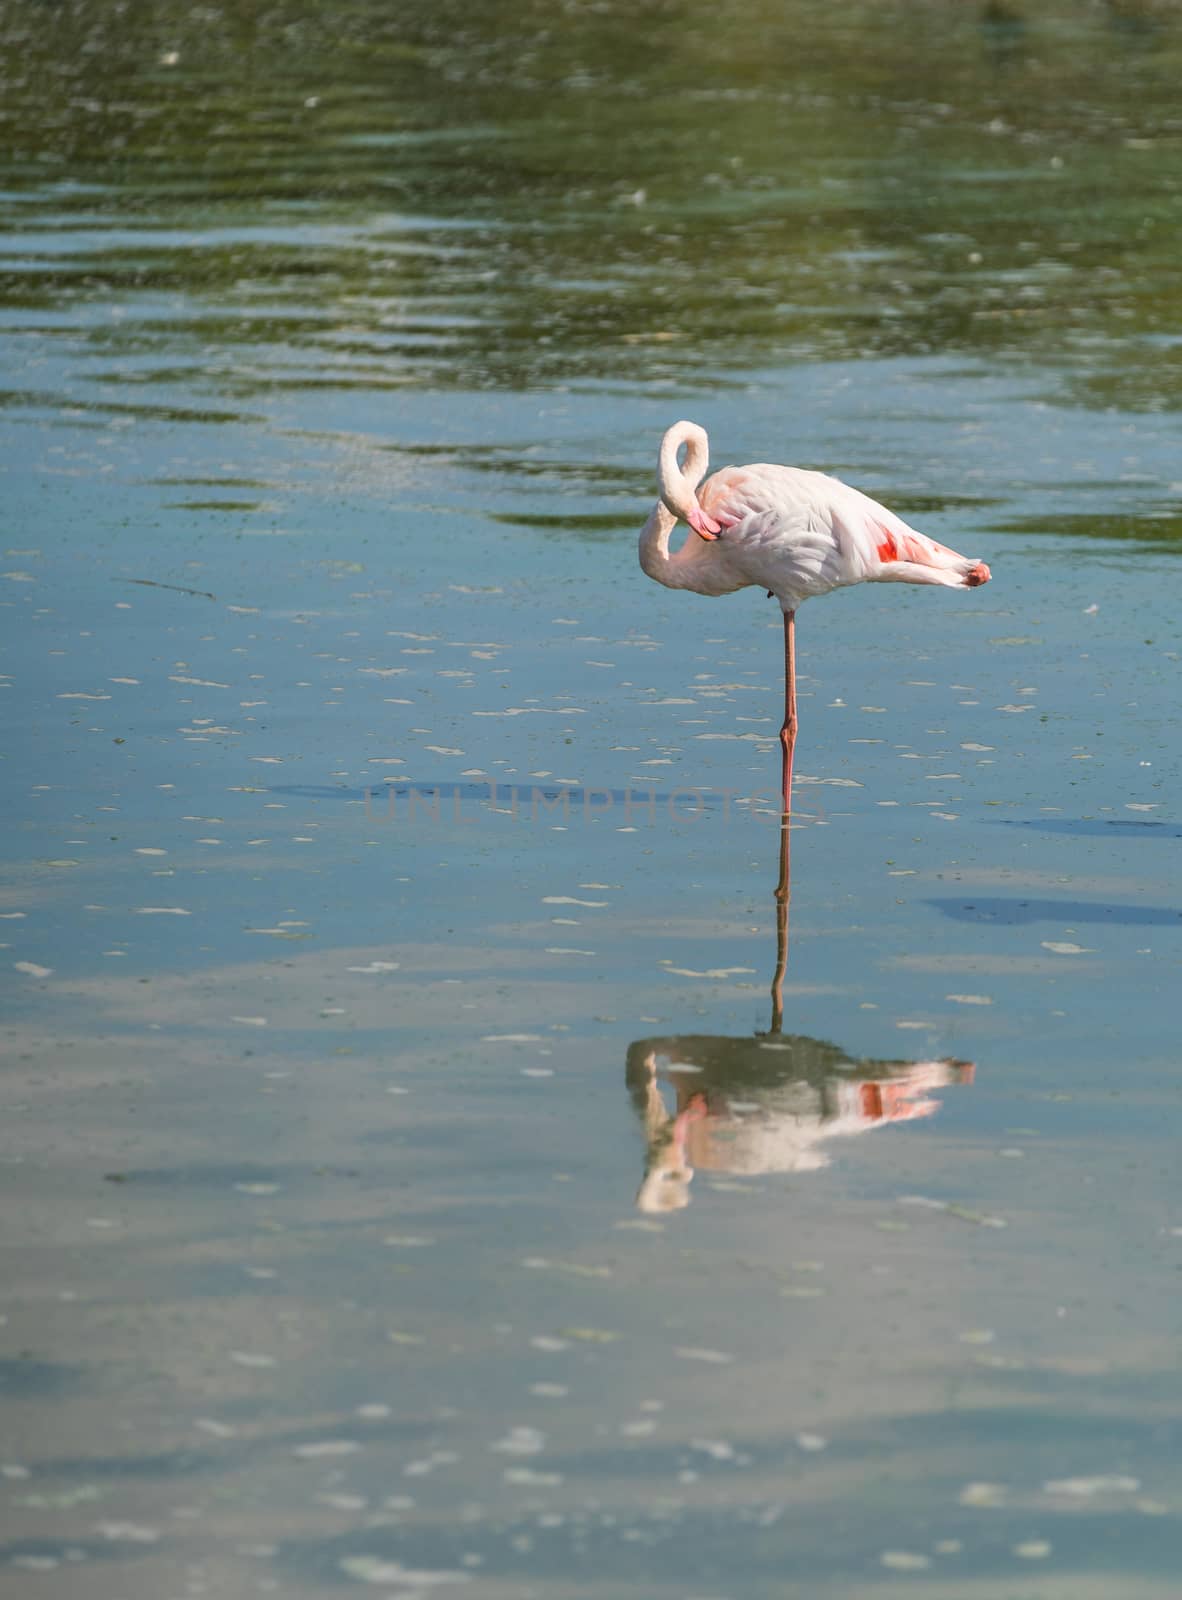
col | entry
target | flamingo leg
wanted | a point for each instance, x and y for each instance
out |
(788, 731)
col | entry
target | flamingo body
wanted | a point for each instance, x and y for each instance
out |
(795, 533)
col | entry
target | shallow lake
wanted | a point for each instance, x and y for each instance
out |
(407, 1182)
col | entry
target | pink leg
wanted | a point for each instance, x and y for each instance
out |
(788, 731)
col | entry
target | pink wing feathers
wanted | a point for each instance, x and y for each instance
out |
(794, 508)
(907, 556)
(800, 533)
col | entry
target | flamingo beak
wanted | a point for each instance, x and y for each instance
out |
(702, 524)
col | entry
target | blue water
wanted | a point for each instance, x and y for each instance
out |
(409, 1188)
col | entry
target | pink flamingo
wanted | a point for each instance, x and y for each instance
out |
(794, 533)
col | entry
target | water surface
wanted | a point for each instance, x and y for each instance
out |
(408, 1182)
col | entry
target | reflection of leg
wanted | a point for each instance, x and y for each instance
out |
(783, 892)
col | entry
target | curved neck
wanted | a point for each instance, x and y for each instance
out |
(654, 544)
(677, 483)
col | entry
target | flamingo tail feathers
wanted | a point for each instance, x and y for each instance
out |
(911, 557)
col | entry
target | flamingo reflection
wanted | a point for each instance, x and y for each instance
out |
(764, 1103)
